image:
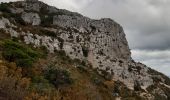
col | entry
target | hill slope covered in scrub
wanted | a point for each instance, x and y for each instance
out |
(48, 53)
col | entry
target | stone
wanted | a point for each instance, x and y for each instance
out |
(16, 10)
(4, 22)
(31, 18)
(98, 41)
(32, 5)
(13, 33)
(102, 43)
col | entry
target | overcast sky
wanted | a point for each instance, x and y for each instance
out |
(146, 24)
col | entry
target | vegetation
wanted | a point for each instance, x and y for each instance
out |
(54, 78)
(40, 84)
(85, 51)
(12, 85)
(4, 7)
(48, 33)
(96, 80)
(16, 52)
(18, 19)
(46, 20)
(25, 74)
(58, 77)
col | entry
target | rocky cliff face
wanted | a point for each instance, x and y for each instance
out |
(99, 42)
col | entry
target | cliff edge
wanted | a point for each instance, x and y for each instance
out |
(101, 43)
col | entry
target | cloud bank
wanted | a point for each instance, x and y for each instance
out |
(156, 59)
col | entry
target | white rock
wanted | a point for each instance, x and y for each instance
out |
(4, 22)
(16, 10)
(13, 33)
(31, 18)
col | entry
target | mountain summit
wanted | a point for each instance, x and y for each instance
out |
(82, 44)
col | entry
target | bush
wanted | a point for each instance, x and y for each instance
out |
(48, 33)
(40, 84)
(82, 68)
(85, 51)
(96, 80)
(4, 7)
(16, 52)
(62, 55)
(58, 77)
(46, 21)
(18, 19)
(137, 86)
(13, 86)
(61, 42)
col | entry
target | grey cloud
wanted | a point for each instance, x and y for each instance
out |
(149, 20)
(158, 41)
(158, 60)
(8, 0)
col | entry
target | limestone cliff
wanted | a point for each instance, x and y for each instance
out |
(99, 42)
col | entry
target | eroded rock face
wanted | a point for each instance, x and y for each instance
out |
(4, 22)
(16, 10)
(31, 5)
(100, 42)
(31, 18)
(105, 35)
(106, 50)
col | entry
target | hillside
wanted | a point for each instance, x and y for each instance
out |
(48, 53)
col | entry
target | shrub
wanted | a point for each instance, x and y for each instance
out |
(3, 34)
(4, 7)
(13, 86)
(62, 54)
(48, 33)
(81, 65)
(85, 51)
(40, 84)
(61, 42)
(16, 52)
(82, 68)
(18, 19)
(137, 86)
(46, 21)
(58, 77)
(96, 80)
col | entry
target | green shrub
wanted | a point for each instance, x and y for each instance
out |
(58, 77)
(48, 33)
(82, 68)
(61, 42)
(85, 51)
(40, 84)
(96, 80)
(137, 86)
(16, 52)
(46, 21)
(18, 19)
(4, 7)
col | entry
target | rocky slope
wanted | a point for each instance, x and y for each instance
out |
(102, 43)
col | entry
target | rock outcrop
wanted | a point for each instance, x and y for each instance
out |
(31, 18)
(99, 42)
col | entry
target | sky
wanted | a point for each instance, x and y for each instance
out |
(145, 22)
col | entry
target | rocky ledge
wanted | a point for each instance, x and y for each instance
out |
(99, 42)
